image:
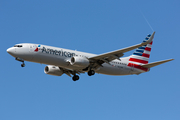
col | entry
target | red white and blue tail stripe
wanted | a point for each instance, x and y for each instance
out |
(142, 54)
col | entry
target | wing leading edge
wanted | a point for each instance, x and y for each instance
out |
(107, 57)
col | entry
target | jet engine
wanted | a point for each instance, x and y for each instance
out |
(53, 70)
(79, 61)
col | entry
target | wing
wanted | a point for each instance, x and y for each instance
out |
(107, 57)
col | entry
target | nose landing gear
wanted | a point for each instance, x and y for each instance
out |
(23, 65)
(21, 60)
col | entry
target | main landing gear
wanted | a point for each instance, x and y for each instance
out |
(75, 78)
(21, 60)
(91, 72)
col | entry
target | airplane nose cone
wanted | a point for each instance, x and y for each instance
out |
(10, 51)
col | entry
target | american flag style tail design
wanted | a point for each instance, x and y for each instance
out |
(141, 55)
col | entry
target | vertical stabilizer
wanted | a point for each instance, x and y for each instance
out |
(142, 54)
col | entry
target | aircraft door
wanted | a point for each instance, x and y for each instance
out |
(31, 50)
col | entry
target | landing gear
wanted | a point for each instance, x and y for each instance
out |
(75, 78)
(23, 65)
(91, 72)
(21, 60)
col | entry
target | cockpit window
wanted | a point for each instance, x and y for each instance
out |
(18, 46)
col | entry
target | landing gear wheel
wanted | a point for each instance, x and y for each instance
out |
(22, 65)
(75, 78)
(91, 72)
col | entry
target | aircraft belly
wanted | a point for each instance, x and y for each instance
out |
(112, 70)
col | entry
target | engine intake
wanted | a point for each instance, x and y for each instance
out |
(53, 70)
(79, 61)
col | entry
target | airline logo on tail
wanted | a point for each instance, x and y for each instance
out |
(141, 55)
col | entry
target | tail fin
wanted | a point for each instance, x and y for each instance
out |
(142, 54)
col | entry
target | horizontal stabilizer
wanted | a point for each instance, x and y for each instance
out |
(150, 65)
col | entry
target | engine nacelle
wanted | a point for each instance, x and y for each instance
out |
(79, 61)
(53, 70)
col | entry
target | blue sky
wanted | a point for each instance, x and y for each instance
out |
(94, 26)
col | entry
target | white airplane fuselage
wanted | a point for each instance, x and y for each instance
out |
(61, 57)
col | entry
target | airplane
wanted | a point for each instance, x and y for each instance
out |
(71, 62)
